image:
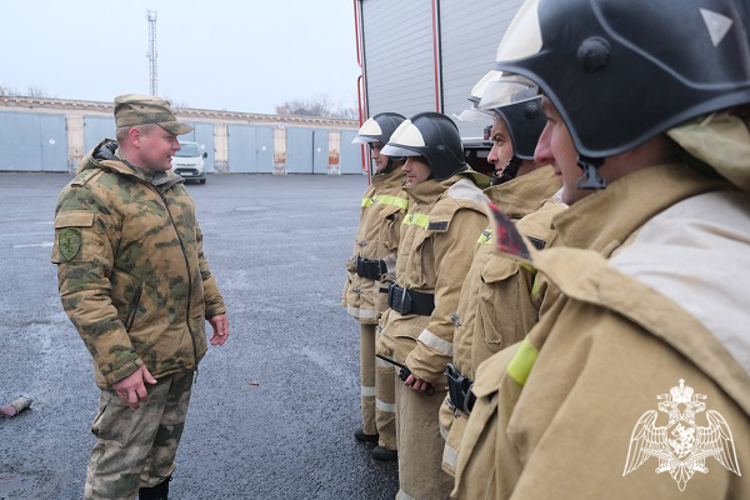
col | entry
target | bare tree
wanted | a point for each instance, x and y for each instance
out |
(319, 106)
(178, 104)
(348, 113)
(34, 91)
(6, 90)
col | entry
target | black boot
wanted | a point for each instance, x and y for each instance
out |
(360, 436)
(158, 492)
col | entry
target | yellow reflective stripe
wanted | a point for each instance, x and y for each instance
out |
(422, 220)
(535, 286)
(523, 361)
(392, 200)
(366, 202)
(486, 237)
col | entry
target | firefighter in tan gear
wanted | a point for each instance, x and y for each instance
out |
(444, 219)
(370, 270)
(635, 384)
(500, 298)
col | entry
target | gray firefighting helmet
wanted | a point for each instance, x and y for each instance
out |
(622, 72)
(378, 128)
(435, 138)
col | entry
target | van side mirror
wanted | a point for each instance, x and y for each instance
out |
(205, 155)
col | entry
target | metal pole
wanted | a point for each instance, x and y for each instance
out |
(152, 54)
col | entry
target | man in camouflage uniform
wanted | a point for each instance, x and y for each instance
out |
(370, 270)
(134, 281)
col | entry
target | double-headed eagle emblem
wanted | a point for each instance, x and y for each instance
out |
(682, 446)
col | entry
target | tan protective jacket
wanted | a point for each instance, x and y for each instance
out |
(383, 207)
(131, 271)
(499, 301)
(556, 414)
(438, 236)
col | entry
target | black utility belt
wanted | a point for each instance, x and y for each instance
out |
(410, 302)
(370, 269)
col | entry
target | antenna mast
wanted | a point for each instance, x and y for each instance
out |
(152, 50)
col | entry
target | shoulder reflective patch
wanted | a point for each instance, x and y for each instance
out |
(523, 361)
(392, 200)
(718, 25)
(366, 202)
(538, 244)
(69, 243)
(437, 226)
(422, 220)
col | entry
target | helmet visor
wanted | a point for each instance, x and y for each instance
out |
(397, 150)
(363, 139)
(474, 115)
(507, 90)
(522, 39)
(478, 91)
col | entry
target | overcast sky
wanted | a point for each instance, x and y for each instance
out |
(218, 54)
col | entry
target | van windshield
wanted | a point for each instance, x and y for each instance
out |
(189, 150)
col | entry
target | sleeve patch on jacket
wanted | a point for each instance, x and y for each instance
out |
(438, 226)
(69, 242)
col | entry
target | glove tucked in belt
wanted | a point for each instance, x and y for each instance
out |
(370, 269)
(406, 301)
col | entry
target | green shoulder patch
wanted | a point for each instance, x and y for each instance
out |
(70, 242)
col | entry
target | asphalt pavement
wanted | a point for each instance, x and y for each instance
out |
(277, 246)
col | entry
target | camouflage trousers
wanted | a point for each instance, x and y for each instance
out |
(136, 449)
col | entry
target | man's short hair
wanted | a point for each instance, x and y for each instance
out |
(121, 134)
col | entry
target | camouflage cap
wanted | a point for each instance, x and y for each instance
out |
(135, 109)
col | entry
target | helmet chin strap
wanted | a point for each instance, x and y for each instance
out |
(591, 179)
(509, 172)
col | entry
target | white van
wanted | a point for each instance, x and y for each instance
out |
(189, 162)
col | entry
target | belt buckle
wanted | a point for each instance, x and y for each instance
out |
(455, 380)
(405, 302)
(391, 293)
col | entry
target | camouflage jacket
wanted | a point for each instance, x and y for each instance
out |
(131, 271)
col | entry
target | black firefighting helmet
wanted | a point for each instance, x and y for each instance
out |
(525, 122)
(621, 72)
(378, 128)
(435, 138)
